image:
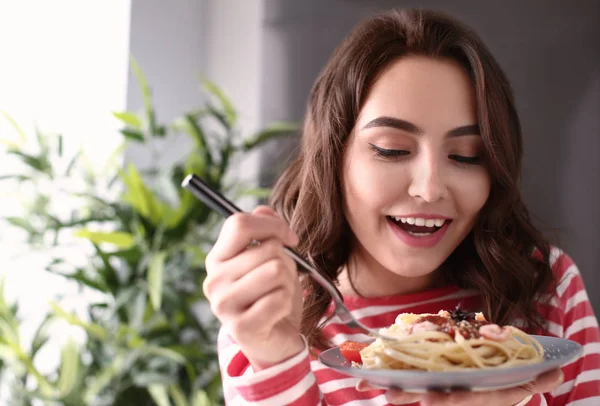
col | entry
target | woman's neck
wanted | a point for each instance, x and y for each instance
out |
(364, 276)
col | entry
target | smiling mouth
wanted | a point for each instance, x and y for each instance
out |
(418, 227)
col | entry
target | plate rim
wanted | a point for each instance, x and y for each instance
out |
(488, 372)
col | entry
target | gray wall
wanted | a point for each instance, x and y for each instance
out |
(178, 43)
(551, 53)
(168, 43)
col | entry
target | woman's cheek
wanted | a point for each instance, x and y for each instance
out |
(473, 189)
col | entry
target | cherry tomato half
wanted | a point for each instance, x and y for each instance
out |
(351, 350)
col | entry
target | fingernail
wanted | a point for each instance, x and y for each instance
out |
(364, 387)
(561, 378)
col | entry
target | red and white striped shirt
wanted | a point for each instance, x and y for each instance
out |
(303, 380)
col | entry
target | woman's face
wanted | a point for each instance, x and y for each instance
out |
(414, 177)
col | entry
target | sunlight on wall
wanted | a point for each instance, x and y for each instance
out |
(64, 67)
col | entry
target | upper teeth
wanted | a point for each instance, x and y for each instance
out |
(421, 221)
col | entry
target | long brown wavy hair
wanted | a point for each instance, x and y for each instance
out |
(496, 257)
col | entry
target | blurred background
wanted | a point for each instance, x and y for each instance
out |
(105, 105)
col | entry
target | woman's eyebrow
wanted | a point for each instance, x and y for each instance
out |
(385, 121)
(399, 124)
(472, 129)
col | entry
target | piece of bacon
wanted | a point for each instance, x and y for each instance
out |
(425, 326)
(495, 332)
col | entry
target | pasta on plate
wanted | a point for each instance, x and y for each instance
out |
(446, 341)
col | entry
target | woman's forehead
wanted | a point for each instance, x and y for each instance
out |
(436, 93)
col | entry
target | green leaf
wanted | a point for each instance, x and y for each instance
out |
(42, 142)
(22, 364)
(125, 296)
(81, 277)
(21, 223)
(103, 379)
(8, 332)
(275, 130)
(39, 163)
(9, 143)
(197, 254)
(41, 336)
(141, 197)
(120, 239)
(60, 145)
(93, 329)
(133, 135)
(129, 119)
(185, 206)
(18, 129)
(155, 279)
(177, 395)
(147, 98)
(151, 378)
(174, 356)
(107, 272)
(69, 369)
(228, 109)
(19, 178)
(142, 83)
(3, 304)
(200, 398)
(72, 163)
(214, 387)
(189, 124)
(137, 310)
(221, 118)
(160, 131)
(190, 352)
(8, 354)
(159, 394)
(113, 163)
(87, 170)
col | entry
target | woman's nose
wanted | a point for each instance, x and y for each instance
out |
(427, 180)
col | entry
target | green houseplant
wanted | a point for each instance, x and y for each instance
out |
(145, 342)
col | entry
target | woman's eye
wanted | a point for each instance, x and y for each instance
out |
(388, 153)
(471, 160)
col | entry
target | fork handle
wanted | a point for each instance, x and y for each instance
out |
(226, 208)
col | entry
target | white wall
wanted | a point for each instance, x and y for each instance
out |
(64, 66)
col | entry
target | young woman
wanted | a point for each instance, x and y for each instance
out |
(405, 193)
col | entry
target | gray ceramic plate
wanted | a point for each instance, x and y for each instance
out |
(558, 352)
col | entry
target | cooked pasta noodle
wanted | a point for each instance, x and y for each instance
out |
(452, 345)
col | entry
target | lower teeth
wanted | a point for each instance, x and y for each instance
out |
(418, 234)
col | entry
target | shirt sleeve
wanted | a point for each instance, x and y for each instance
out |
(573, 318)
(290, 383)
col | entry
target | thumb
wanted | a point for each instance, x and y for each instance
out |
(544, 383)
(547, 382)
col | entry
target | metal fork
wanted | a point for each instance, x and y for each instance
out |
(226, 208)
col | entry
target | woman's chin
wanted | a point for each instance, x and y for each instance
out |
(415, 271)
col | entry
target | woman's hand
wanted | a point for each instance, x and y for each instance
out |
(254, 290)
(505, 397)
